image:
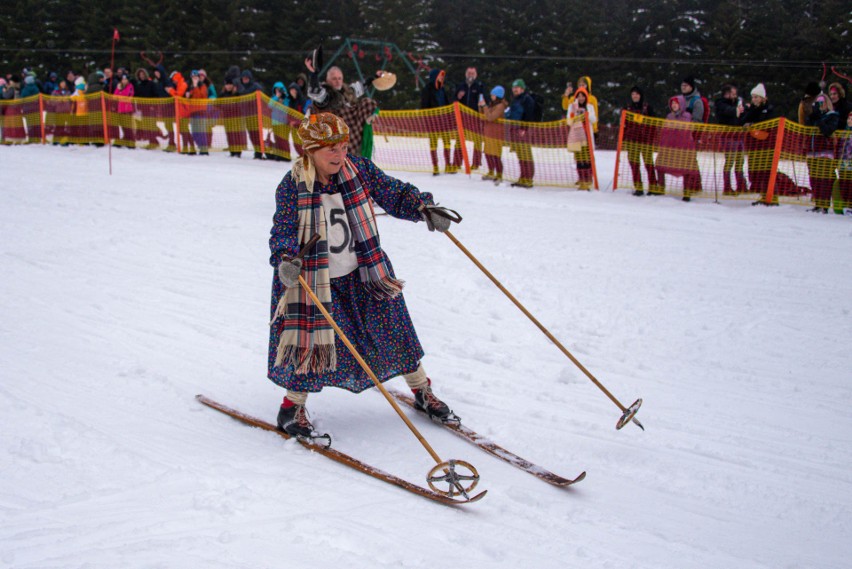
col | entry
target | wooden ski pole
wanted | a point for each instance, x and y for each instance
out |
(448, 467)
(629, 413)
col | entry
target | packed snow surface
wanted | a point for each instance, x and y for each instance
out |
(124, 296)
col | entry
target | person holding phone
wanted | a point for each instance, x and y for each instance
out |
(472, 94)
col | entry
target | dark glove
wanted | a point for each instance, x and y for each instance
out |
(289, 271)
(438, 218)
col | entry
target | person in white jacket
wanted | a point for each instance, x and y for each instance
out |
(579, 141)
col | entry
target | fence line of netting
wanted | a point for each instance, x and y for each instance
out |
(455, 138)
(777, 161)
(444, 140)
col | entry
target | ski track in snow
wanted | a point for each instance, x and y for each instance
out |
(124, 296)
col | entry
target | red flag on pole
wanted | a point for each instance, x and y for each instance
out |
(115, 34)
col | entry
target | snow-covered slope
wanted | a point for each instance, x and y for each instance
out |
(122, 297)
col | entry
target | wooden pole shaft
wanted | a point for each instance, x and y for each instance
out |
(367, 369)
(535, 321)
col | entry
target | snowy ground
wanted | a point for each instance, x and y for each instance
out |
(122, 297)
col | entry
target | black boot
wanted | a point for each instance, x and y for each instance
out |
(425, 401)
(294, 421)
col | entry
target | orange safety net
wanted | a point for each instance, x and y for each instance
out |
(20, 120)
(453, 138)
(776, 161)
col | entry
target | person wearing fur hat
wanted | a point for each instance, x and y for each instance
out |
(638, 140)
(759, 142)
(816, 110)
(328, 193)
(434, 95)
(494, 132)
(580, 112)
(677, 156)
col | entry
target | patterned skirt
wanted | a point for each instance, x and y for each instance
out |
(381, 331)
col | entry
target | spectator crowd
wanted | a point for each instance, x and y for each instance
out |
(823, 106)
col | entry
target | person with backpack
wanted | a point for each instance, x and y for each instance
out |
(522, 109)
(697, 106)
(816, 110)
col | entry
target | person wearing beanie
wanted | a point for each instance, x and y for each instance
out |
(349, 273)
(729, 109)
(522, 109)
(694, 101)
(434, 95)
(30, 88)
(638, 140)
(759, 142)
(492, 111)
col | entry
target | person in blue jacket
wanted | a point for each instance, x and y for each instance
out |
(522, 109)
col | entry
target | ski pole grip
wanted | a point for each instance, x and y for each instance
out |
(308, 246)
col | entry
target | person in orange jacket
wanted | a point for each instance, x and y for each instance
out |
(178, 92)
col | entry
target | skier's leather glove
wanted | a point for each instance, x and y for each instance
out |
(438, 218)
(288, 272)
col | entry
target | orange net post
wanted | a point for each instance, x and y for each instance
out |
(462, 143)
(776, 156)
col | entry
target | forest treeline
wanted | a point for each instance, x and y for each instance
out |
(654, 44)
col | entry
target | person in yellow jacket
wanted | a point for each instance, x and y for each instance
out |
(568, 98)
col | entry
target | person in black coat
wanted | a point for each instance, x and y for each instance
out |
(729, 109)
(434, 95)
(472, 94)
(639, 141)
(759, 143)
(249, 87)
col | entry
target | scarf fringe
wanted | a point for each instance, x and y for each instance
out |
(386, 288)
(314, 359)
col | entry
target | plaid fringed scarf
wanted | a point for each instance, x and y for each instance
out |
(306, 340)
